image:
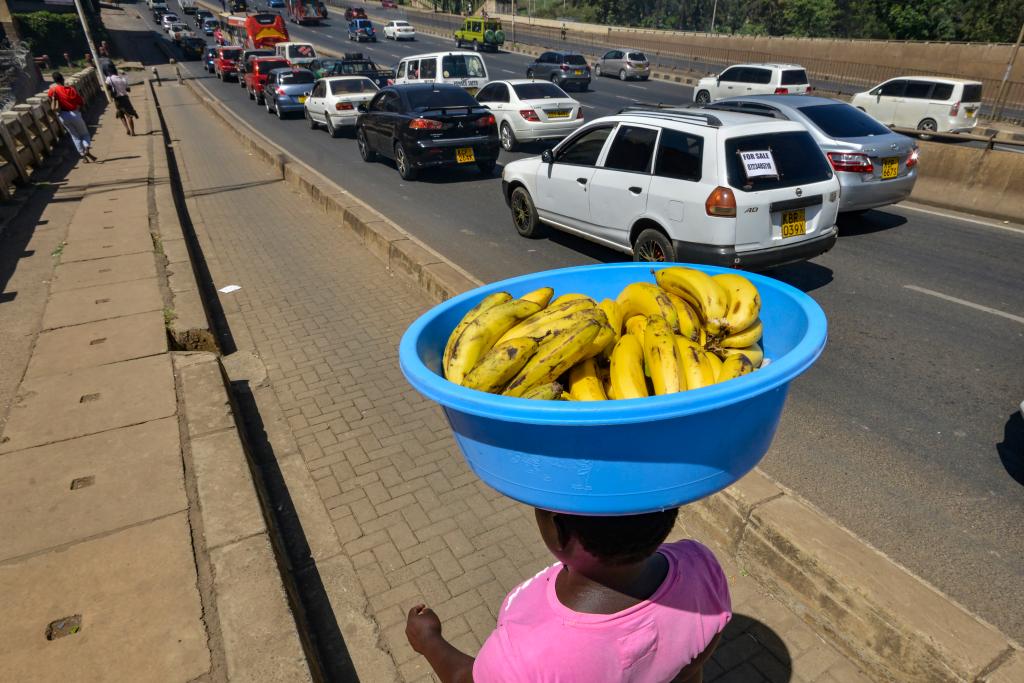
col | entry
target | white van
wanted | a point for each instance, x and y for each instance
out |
(464, 69)
(296, 54)
(923, 102)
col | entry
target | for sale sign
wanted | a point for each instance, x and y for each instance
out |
(759, 164)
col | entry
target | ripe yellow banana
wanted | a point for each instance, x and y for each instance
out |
(744, 302)
(741, 340)
(541, 296)
(480, 335)
(734, 366)
(716, 364)
(636, 326)
(698, 287)
(644, 298)
(489, 301)
(689, 321)
(661, 356)
(499, 365)
(627, 369)
(695, 368)
(754, 354)
(535, 326)
(552, 391)
(573, 296)
(554, 357)
(585, 383)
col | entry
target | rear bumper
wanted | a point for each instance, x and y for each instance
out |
(859, 196)
(442, 153)
(548, 131)
(343, 119)
(716, 255)
(288, 106)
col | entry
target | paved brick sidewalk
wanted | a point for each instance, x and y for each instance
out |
(325, 317)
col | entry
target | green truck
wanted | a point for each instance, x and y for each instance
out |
(480, 34)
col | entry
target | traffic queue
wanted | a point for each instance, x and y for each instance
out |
(751, 180)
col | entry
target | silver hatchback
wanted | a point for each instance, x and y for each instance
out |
(875, 166)
(624, 64)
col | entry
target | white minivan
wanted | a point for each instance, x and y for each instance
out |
(923, 102)
(464, 69)
(296, 54)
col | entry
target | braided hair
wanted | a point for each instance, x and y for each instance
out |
(621, 540)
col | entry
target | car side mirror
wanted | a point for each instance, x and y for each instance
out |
(361, 107)
(878, 97)
(547, 157)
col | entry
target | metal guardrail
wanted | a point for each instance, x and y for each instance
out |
(989, 140)
(30, 131)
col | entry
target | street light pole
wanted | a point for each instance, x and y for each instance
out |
(714, 11)
(513, 24)
(92, 47)
(998, 109)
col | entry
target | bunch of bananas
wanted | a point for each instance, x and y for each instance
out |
(687, 331)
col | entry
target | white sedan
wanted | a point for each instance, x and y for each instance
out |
(334, 102)
(399, 30)
(528, 110)
(168, 19)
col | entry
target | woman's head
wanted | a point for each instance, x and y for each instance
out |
(58, 78)
(607, 540)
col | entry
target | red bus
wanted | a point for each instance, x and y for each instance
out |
(306, 11)
(252, 31)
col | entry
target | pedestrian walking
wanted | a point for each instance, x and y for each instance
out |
(68, 104)
(125, 110)
(619, 605)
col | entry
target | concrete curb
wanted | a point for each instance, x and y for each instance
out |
(894, 624)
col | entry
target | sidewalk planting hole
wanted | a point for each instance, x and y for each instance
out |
(94, 342)
(108, 227)
(103, 301)
(65, 626)
(82, 482)
(105, 270)
(107, 246)
(89, 398)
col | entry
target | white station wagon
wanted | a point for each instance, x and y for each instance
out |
(683, 185)
(923, 102)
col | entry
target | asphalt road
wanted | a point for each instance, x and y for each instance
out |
(906, 431)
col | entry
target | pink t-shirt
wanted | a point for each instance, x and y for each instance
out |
(538, 639)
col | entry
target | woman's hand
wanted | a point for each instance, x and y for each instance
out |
(422, 627)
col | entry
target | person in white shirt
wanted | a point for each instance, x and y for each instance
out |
(125, 110)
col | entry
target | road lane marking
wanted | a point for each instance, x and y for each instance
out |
(623, 97)
(587, 106)
(507, 71)
(963, 302)
(955, 217)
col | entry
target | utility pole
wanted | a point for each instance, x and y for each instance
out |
(92, 47)
(513, 24)
(998, 109)
(714, 11)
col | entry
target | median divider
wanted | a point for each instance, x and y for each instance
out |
(897, 626)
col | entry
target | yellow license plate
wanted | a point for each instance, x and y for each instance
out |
(890, 167)
(794, 223)
(464, 155)
(970, 113)
(558, 114)
(302, 99)
(578, 72)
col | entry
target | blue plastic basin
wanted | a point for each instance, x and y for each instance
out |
(622, 456)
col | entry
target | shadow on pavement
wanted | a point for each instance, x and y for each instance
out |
(806, 276)
(751, 652)
(856, 224)
(1011, 449)
(231, 188)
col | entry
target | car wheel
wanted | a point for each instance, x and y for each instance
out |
(622, 74)
(458, 43)
(252, 94)
(703, 97)
(266, 103)
(404, 163)
(331, 129)
(529, 73)
(363, 144)
(280, 114)
(309, 118)
(645, 78)
(554, 78)
(524, 214)
(508, 138)
(597, 70)
(476, 46)
(653, 245)
(928, 125)
(486, 167)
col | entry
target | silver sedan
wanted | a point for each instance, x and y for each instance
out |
(876, 167)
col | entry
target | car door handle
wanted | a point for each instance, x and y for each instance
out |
(582, 181)
(636, 190)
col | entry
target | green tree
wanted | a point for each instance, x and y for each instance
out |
(810, 17)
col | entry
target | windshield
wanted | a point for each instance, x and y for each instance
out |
(353, 86)
(794, 77)
(424, 98)
(538, 91)
(972, 92)
(353, 68)
(798, 160)
(463, 66)
(574, 59)
(843, 121)
(230, 54)
(295, 78)
(301, 51)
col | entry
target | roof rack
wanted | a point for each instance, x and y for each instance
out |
(677, 110)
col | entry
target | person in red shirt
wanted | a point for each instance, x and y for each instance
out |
(66, 101)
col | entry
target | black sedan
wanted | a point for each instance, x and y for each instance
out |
(427, 125)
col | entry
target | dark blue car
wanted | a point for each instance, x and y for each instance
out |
(360, 30)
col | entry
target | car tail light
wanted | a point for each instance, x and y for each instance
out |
(721, 202)
(579, 113)
(810, 88)
(529, 114)
(485, 121)
(782, 91)
(851, 163)
(955, 109)
(343, 106)
(425, 124)
(912, 159)
(565, 67)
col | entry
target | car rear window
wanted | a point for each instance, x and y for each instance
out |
(423, 99)
(798, 160)
(843, 121)
(267, 67)
(296, 78)
(636, 57)
(538, 91)
(794, 77)
(462, 66)
(353, 87)
(574, 59)
(972, 93)
(231, 54)
(301, 51)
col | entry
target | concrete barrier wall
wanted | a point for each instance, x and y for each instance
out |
(980, 181)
